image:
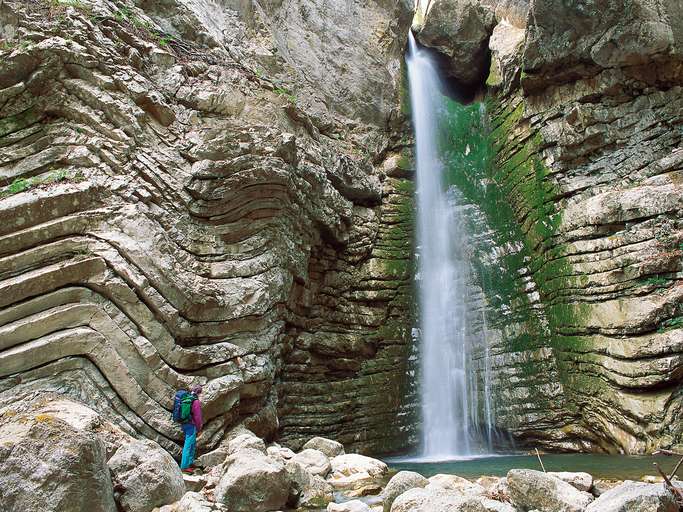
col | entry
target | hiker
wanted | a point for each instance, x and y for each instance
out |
(187, 411)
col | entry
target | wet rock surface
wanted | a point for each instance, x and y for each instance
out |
(584, 121)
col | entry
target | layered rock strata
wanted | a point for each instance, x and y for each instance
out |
(201, 192)
(583, 202)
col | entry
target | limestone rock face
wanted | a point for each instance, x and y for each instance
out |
(531, 490)
(635, 496)
(148, 474)
(253, 483)
(183, 205)
(459, 29)
(609, 33)
(50, 462)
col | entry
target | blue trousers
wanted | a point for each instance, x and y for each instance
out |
(190, 445)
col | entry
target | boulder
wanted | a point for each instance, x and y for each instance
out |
(357, 475)
(246, 441)
(400, 483)
(315, 462)
(50, 461)
(252, 482)
(349, 506)
(531, 489)
(327, 446)
(436, 499)
(309, 490)
(580, 481)
(147, 475)
(635, 496)
(457, 484)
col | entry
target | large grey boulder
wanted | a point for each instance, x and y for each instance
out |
(436, 499)
(531, 489)
(147, 475)
(635, 497)
(400, 483)
(253, 482)
(51, 461)
(315, 462)
(327, 446)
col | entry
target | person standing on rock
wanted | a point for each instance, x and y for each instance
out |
(191, 428)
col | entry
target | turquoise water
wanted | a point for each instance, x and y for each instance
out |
(609, 467)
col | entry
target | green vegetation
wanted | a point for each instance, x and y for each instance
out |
(11, 44)
(23, 184)
(285, 93)
(655, 281)
(672, 323)
(493, 160)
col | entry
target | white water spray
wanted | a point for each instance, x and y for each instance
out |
(442, 276)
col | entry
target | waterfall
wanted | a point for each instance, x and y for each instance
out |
(442, 277)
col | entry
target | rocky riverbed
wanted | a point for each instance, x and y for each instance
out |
(59, 455)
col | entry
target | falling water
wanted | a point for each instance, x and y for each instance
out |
(442, 277)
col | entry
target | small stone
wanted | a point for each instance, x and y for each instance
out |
(193, 483)
(349, 506)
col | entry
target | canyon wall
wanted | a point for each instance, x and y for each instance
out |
(207, 191)
(580, 211)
